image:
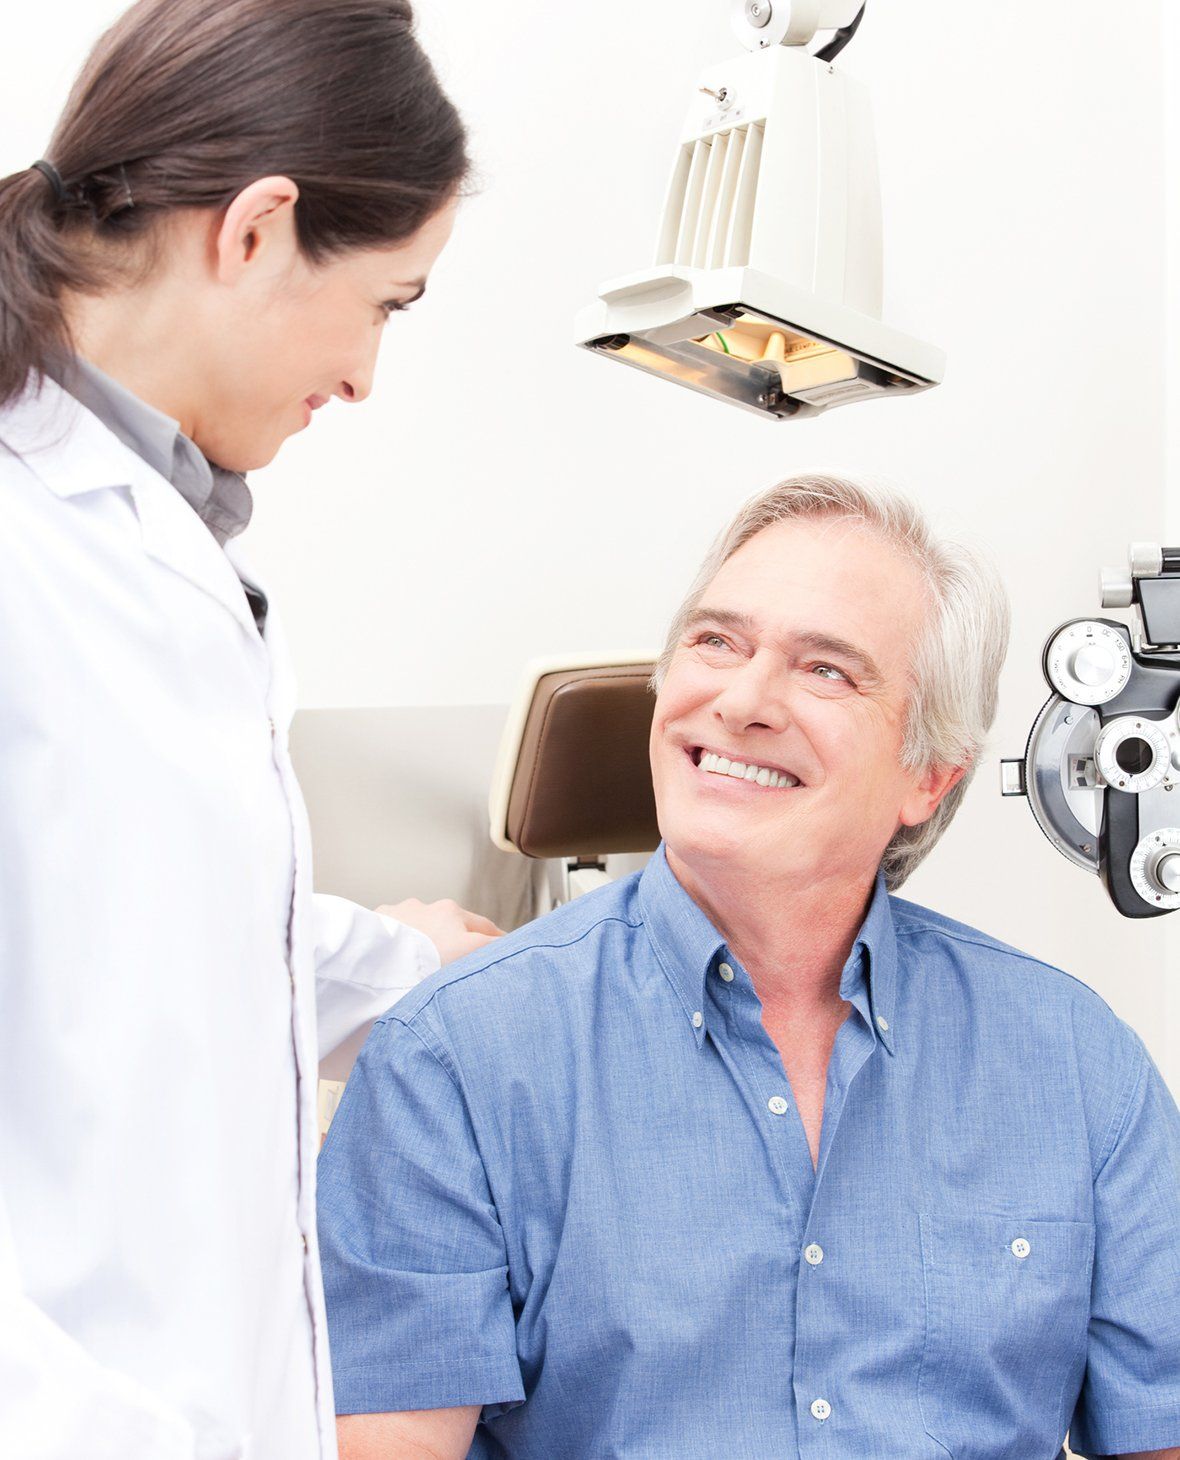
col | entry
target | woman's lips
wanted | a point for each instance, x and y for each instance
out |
(312, 403)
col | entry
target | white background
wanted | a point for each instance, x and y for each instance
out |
(503, 495)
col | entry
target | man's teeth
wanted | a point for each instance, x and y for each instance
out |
(740, 771)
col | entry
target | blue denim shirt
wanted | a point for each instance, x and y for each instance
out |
(568, 1182)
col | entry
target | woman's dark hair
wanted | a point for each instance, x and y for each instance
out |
(183, 103)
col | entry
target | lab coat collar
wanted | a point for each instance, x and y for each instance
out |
(73, 453)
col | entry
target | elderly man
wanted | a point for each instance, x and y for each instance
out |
(743, 1157)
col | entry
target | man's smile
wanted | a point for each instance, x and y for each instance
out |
(717, 763)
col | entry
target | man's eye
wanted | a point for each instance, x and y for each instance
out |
(712, 641)
(394, 306)
(829, 671)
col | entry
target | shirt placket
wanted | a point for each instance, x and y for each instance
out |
(756, 1062)
(818, 1390)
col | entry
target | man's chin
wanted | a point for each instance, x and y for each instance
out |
(697, 843)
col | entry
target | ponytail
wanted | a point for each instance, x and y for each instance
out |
(36, 266)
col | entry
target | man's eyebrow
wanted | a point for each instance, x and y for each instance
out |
(839, 649)
(812, 640)
(725, 618)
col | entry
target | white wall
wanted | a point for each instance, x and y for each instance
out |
(503, 495)
(1171, 82)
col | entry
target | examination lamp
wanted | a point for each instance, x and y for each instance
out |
(766, 287)
(1102, 767)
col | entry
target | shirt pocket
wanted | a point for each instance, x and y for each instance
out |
(1007, 1313)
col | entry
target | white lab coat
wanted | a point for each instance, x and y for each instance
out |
(161, 960)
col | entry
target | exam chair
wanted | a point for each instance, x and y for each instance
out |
(572, 783)
(571, 799)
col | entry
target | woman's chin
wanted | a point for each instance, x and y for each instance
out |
(243, 456)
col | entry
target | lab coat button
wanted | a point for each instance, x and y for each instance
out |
(814, 1254)
(820, 1409)
(777, 1105)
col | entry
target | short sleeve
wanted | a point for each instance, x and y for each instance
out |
(414, 1260)
(1130, 1397)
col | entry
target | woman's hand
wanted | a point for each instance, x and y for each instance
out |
(452, 929)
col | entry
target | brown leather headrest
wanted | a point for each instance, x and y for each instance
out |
(582, 785)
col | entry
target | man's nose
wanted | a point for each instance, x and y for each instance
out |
(754, 697)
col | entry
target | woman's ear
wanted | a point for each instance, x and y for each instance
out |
(258, 228)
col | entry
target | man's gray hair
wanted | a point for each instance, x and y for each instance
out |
(957, 664)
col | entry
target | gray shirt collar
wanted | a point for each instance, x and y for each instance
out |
(220, 498)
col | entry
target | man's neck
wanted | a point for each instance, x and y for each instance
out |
(793, 941)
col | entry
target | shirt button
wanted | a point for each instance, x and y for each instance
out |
(777, 1105)
(882, 1024)
(1020, 1248)
(726, 972)
(814, 1254)
(820, 1408)
(697, 1019)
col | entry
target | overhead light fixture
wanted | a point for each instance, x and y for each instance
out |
(766, 289)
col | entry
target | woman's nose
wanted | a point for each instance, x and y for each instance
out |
(359, 381)
(356, 387)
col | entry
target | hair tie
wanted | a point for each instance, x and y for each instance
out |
(47, 170)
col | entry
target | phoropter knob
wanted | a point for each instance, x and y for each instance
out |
(1166, 872)
(1155, 868)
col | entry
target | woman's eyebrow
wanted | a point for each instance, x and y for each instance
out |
(419, 284)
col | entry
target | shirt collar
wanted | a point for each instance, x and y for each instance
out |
(869, 979)
(689, 947)
(220, 498)
(686, 942)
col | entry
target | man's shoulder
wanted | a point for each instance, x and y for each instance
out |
(969, 956)
(564, 944)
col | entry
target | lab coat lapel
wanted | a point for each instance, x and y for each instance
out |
(73, 453)
(176, 537)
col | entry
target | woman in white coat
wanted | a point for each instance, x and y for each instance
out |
(237, 196)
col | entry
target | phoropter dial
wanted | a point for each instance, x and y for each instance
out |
(1155, 868)
(1088, 662)
(1134, 755)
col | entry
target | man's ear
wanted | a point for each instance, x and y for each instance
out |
(260, 222)
(927, 792)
